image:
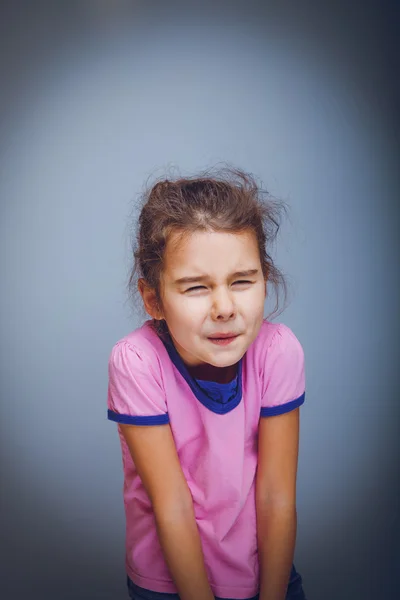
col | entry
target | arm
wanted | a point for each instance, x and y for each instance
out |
(276, 501)
(154, 453)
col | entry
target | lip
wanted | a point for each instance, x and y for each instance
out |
(222, 336)
(223, 339)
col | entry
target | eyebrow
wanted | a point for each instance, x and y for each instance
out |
(199, 278)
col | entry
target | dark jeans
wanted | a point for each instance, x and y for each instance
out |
(294, 591)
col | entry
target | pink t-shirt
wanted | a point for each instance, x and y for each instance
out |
(216, 444)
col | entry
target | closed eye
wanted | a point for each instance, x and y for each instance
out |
(202, 287)
(197, 287)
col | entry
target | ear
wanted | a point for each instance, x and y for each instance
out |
(149, 298)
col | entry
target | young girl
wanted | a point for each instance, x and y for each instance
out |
(206, 395)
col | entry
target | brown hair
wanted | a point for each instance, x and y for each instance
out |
(224, 200)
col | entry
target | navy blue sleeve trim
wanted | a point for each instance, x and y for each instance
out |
(269, 411)
(134, 420)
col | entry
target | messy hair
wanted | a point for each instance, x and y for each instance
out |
(227, 200)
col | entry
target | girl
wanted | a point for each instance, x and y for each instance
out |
(206, 395)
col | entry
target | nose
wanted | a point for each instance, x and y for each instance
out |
(223, 306)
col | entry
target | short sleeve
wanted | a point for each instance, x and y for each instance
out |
(135, 392)
(284, 376)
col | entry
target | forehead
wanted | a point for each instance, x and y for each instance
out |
(210, 253)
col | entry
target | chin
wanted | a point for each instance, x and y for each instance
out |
(225, 361)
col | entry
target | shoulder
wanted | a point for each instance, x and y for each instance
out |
(139, 351)
(281, 368)
(284, 341)
(279, 358)
(275, 339)
(136, 391)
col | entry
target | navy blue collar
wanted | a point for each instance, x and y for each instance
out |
(220, 398)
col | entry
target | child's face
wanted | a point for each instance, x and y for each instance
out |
(220, 303)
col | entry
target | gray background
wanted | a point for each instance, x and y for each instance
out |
(97, 96)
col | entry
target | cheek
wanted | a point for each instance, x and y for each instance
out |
(254, 302)
(187, 311)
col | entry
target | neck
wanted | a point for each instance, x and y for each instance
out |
(208, 372)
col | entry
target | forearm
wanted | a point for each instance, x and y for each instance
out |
(180, 541)
(276, 532)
